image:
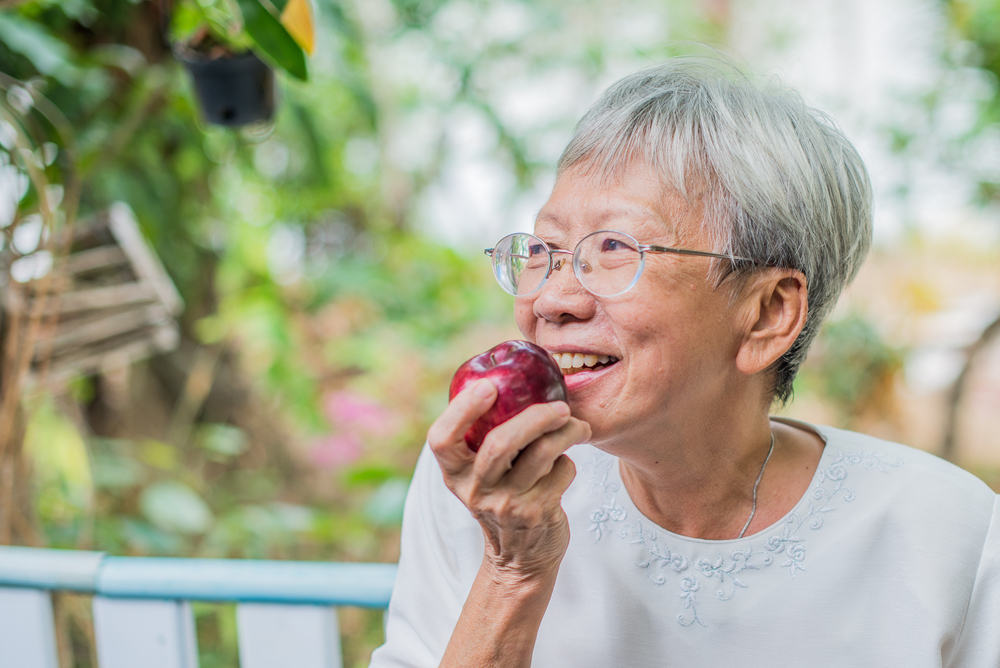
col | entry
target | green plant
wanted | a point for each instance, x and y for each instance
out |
(854, 369)
(215, 28)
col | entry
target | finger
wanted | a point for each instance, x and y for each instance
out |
(538, 459)
(446, 436)
(505, 441)
(548, 490)
(562, 475)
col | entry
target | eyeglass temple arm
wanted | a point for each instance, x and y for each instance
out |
(649, 248)
(685, 251)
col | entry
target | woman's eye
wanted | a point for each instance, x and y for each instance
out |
(535, 250)
(617, 245)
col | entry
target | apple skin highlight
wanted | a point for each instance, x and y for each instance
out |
(523, 373)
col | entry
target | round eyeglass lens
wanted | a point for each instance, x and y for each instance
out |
(521, 262)
(608, 263)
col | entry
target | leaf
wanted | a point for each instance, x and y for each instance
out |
(297, 19)
(370, 474)
(115, 472)
(222, 441)
(144, 538)
(292, 517)
(159, 455)
(63, 473)
(273, 41)
(173, 506)
(185, 20)
(50, 55)
(385, 506)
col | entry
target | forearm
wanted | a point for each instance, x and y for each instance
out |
(499, 621)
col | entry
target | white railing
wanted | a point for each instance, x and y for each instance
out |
(286, 611)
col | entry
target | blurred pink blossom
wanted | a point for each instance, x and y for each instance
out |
(347, 409)
(335, 450)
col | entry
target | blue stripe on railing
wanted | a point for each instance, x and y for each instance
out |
(367, 585)
(75, 570)
(239, 580)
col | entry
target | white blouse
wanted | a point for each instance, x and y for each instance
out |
(891, 558)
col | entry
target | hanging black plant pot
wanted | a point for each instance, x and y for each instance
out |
(233, 90)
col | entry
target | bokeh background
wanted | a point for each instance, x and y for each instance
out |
(330, 269)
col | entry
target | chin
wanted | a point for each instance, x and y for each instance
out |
(600, 430)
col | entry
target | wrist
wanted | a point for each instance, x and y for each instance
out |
(500, 619)
(522, 579)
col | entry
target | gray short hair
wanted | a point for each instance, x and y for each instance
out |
(781, 184)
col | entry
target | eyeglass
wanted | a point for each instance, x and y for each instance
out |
(607, 263)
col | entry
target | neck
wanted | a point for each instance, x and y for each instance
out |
(699, 481)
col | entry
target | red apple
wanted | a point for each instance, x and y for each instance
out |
(523, 373)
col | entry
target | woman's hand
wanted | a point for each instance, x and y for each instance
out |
(514, 485)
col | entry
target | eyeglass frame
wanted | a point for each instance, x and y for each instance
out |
(641, 248)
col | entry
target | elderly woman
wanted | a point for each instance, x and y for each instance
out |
(699, 230)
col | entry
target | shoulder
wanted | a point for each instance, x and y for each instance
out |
(917, 467)
(909, 483)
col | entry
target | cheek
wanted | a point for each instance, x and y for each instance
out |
(644, 317)
(664, 332)
(525, 318)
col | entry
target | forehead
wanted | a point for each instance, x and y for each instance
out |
(634, 200)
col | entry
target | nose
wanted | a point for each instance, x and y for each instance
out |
(562, 298)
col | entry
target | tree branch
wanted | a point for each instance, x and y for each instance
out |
(958, 388)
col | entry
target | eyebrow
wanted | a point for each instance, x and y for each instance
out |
(645, 213)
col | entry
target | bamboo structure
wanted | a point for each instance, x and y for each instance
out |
(38, 196)
(107, 302)
(76, 298)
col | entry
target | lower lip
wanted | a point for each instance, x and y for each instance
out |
(580, 379)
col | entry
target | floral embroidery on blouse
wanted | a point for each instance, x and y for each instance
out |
(726, 573)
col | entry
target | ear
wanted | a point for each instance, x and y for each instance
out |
(776, 303)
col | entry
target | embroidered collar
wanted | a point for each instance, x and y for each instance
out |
(666, 557)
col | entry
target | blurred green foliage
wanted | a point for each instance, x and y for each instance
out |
(327, 317)
(853, 368)
(976, 25)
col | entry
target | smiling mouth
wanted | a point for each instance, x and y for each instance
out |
(570, 363)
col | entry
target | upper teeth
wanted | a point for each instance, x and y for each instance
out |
(579, 360)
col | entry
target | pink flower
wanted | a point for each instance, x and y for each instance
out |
(335, 450)
(346, 409)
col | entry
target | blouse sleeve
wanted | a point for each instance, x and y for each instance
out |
(440, 550)
(978, 644)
